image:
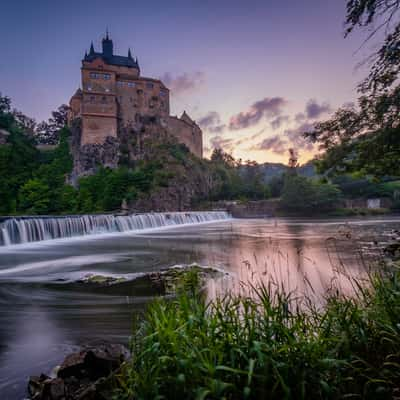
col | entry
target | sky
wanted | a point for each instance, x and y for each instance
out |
(254, 74)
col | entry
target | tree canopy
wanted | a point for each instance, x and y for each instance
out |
(366, 137)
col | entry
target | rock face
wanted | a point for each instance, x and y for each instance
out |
(86, 375)
(189, 184)
(89, 157)
(190, 180)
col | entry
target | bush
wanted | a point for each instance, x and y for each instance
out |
(301, 194)
(267, 346)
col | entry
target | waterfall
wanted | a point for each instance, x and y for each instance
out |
(33, 229)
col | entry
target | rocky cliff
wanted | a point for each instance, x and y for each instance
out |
(181, 179)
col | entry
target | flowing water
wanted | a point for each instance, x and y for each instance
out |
(45, 314)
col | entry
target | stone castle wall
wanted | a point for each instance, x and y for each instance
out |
(115, 97)
(189, 134)
(96, 129)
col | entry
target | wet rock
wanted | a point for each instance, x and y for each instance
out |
(36, 384)
(83, 375)
(54, 389)
(101, 280)
(392, 250)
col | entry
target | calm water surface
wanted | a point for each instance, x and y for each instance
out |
(44, 315)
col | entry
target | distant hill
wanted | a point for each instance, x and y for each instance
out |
(271, 170)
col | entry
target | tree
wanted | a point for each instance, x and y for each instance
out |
(276, 185)
(47, 132)
(34, 197)
(222, 157)
(367, 138)
(386, 61)
(302, 195)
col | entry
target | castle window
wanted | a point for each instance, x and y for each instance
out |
(107, 90)
(104, 99)
(163, 93)
(94, 75)
(92, 99)
(89, 88)
(140, 91)
(149, 85)
(131, 84)
(107, 76)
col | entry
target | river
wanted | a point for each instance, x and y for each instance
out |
(44, 314)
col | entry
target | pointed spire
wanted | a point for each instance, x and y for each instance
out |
(91, 48)
(107, 38)
(129, 53)
(85, 53)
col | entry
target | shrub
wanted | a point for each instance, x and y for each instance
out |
(267, 346)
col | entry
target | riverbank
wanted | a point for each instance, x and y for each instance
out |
(271, 345)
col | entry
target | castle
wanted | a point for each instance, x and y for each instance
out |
(115, 96)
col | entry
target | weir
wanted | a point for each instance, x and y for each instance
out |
(17, 230)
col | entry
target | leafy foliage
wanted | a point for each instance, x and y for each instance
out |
(367, 139)
(237, 181)
(301, 194)
(386, 61)
(266, 346)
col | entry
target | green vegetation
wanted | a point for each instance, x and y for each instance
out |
(269, 346)
(304, 195)
(35, 182)
(366, 138)
(238, 181)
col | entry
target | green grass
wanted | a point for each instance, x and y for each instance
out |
(267, 346)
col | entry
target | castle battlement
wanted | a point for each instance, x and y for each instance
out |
(114, 95)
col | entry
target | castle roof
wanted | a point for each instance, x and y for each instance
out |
(185, 117)
(108, 56)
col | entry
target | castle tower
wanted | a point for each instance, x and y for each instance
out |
(114, 94)
(107, 44)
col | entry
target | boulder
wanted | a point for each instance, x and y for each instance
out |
(84, 375)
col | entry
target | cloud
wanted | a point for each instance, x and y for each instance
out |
(183, 83)
(279, 121)
(212, 122)
(274, 144)
(295, 136)
(300, 117)
(218, 142)
(315, 110)
(268, 107)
